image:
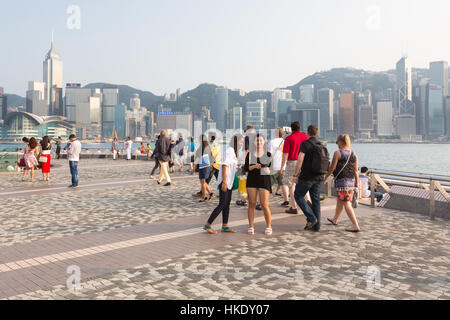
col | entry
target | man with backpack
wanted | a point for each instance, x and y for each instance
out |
(312, 165)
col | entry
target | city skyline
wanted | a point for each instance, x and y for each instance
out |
(165, 61)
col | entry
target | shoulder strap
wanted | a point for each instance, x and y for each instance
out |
(348, 159)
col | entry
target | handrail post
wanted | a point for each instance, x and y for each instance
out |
(372, 189)
(432, 200)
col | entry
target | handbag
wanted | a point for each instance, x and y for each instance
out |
(43, 159)
(22, 162)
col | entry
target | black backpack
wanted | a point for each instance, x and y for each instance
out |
(320, 159)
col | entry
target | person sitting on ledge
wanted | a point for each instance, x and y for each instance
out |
(364, 182)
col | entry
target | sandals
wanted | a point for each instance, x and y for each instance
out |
(251, 231)
(204, 200)
(332, 222)
(268, 232)
(228, 230)
(209, 229)
(353, 230)
(211, 196)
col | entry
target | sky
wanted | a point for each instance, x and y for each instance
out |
(163, 45)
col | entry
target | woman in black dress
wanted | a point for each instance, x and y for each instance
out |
(257, 164)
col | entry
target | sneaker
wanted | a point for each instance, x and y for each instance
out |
(292, 211)
(258, 207)
(285, 204)
(241, 203)
(167, 184)
(310, 225)
(152, 177)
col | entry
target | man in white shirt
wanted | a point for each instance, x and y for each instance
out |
(365, 189)
(127, 146)
(276, 149)
(74, 157)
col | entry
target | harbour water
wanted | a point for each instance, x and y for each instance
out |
(418, 158)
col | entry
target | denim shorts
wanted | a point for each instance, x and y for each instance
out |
(204, 173)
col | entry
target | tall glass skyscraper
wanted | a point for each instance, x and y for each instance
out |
(435, 111)
(404, 86)
(220, 108)
(53, 78)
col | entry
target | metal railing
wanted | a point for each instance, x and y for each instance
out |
(430, 183)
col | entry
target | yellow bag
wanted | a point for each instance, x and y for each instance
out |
(242, 189)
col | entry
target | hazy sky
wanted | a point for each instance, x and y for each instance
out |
(249, 44)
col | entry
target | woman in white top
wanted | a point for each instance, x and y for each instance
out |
(227, 173)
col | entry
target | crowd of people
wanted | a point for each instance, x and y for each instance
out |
(297, 164)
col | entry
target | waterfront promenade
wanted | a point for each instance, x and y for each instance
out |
(133, 239)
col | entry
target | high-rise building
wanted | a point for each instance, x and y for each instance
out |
(365, 118)
(439, 75)
(119, 120)
(347, 113)
(135, 101)
(307, 93)
(420, 101)
(255, 113)
(236, 119)
(35, 99)
(110, 99)
(404, 87)
(172, 121)
(220, 108)
(447, 116)
(280, 98)
(325, 98)
(435, 111)
(83, 109)
(53, 78)
(178, 93)
(384, 118)
(3, 105)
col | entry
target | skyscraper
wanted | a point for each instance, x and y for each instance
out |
(439, 75)
(220, 108)
(35, 98)
(135, 101)
(404, 87)
(53, 78)
(110, 100)
(435, 111)
(255, 113)
(384, 118)
(236, 119)
(280, 96)
(447, 116)
(347, 113)
(307, 93)
(3, 105)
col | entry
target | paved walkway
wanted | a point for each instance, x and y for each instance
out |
(132, 239)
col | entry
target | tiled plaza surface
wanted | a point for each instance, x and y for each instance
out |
(133, 239)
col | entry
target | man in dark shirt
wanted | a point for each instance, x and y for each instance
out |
(308, 181)
(162, 154)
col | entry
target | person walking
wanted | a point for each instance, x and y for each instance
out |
(257, 164)
(308, 176)
(179, 153)
(115, 148)
(58, 148)
(30, 156)
(204, 159)
(344, 168)
(74, 157)
(227, 174)
(291, 150)
(276, 149)
(216, 159)
(191, 154)
(45, 158)
(162, 155)
(154, 157)
(128, 145)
